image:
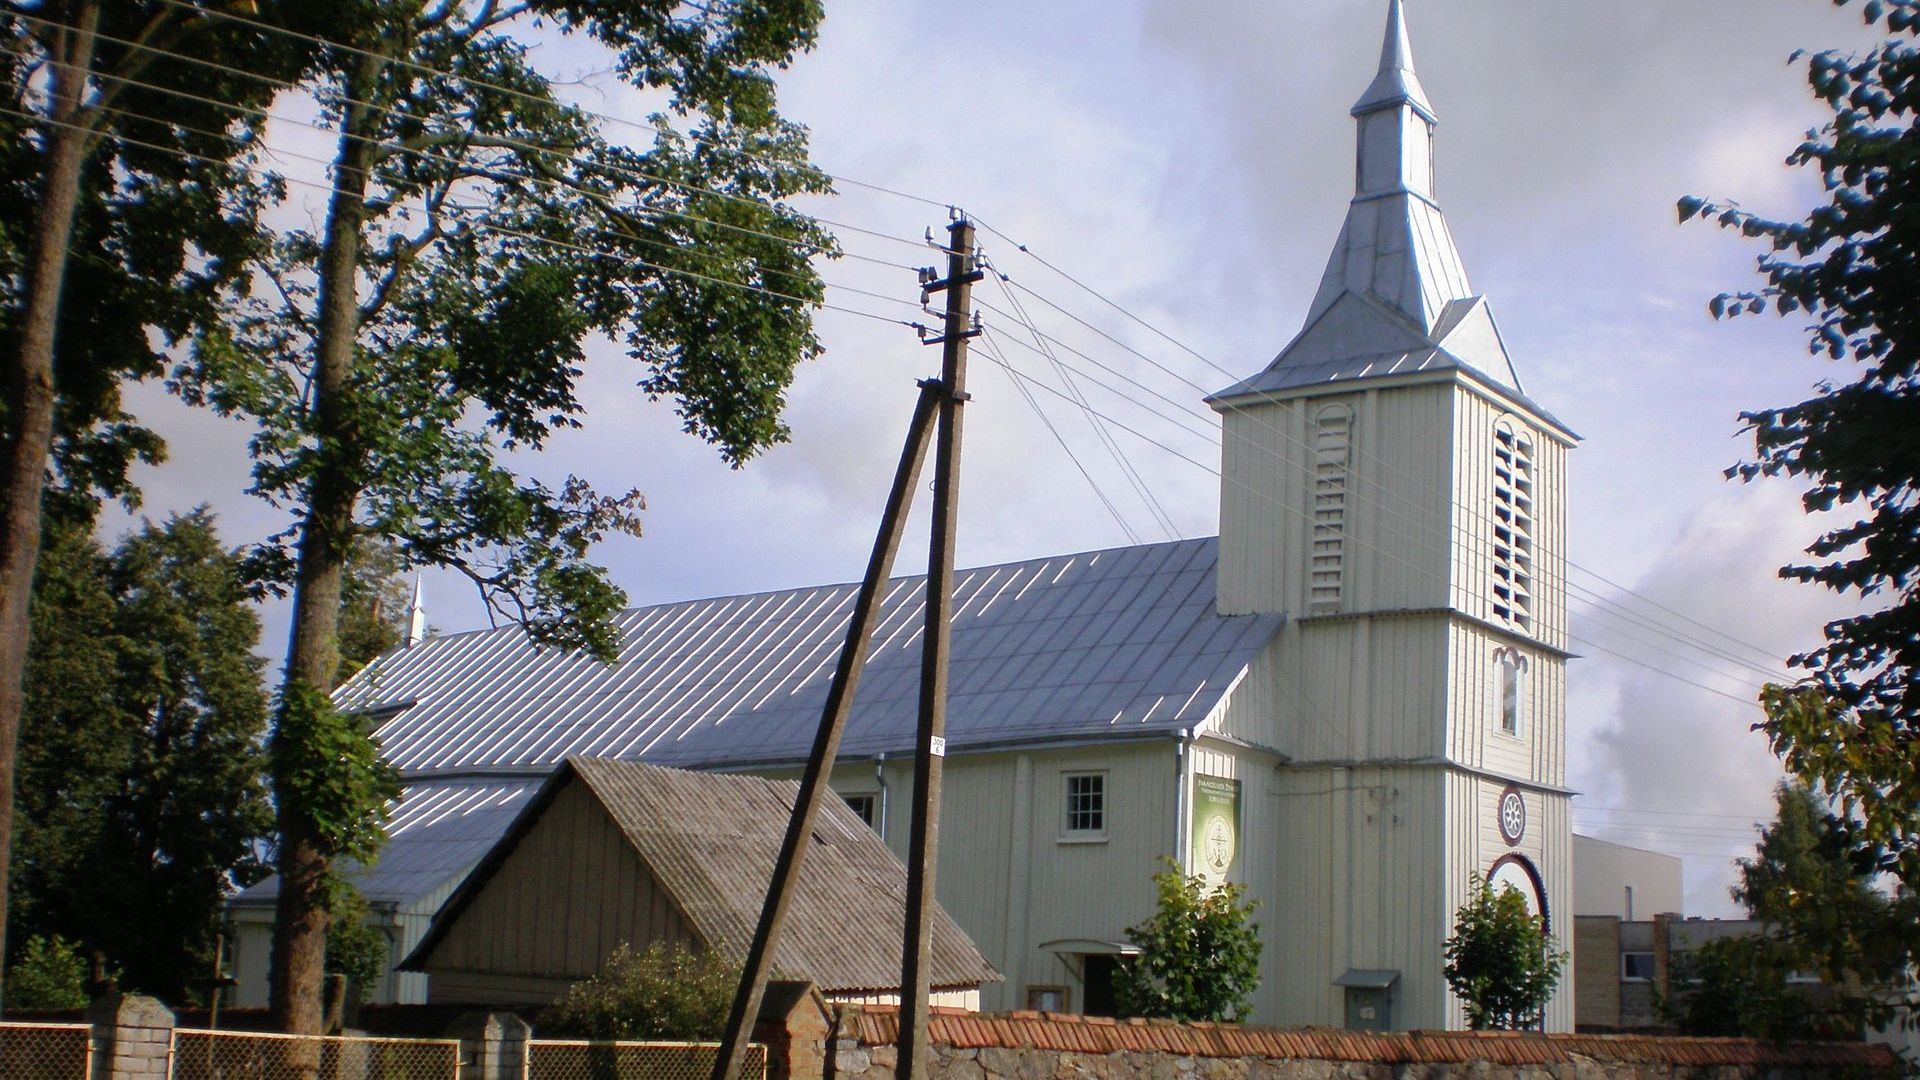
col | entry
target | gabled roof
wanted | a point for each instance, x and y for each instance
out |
(710, 841)
(1099, 645)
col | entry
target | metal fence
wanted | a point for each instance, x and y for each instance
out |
(571, 1059)
(249, 1055)
(45, 1051)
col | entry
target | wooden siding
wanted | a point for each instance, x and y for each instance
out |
(591, 892)
(1398, 524)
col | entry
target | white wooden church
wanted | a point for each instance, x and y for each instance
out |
(1351, 701)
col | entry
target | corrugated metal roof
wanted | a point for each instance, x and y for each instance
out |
(879, 1026)
(1093, 645)
(711, 839)
(438, 830)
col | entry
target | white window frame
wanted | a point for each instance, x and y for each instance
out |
(1652, 964)
(1511, 671)
(873, 802)
(1069, 834)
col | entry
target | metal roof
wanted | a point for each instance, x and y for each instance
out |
(710, 840)
(1097, 645)
(438, 830)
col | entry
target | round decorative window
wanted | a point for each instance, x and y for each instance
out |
(1513, 815)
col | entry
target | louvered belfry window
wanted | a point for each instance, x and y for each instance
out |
(1332, 465)
(1513, 509)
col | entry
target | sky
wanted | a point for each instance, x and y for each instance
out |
(1192, 164)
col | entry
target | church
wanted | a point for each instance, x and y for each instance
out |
(1351, 700)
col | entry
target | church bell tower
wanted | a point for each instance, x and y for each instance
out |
(1389, 486)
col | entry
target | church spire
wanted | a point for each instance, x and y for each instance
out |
(1396, 83)
(1395, 297)
(417, 614)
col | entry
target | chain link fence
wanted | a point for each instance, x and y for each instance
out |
(570, 1059)
(247, 1055)
(45, 1051)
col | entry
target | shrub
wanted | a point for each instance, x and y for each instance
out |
(655, 993)
(50, 973)
(1199, 953)
(1500, 962)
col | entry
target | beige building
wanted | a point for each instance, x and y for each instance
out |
(1626, 883)
(1352, 700)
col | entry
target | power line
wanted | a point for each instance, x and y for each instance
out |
(1120, 458)
(1678, 677)
(507, 141)
(1027, 395)
(515, 92)
(190, 156)
(1026, 250)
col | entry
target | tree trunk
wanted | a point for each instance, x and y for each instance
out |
(297, 977)
(27, 444)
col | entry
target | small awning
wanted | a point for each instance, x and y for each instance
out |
(1092, 947)
(1368, 979)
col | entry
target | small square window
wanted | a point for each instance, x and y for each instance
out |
(1086, 804)
(1051, 999)
(863, 806)
(1636, 967)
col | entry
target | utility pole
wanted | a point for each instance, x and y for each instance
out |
(923, 850)
(826, 742)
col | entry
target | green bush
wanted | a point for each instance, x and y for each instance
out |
(1500, 962)
(1199, 953)
(656, 993)
(49, 973)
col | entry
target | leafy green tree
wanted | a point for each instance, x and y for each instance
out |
(478, 232)
(49, 974)
(1199, 952)
(142, 796)
(655, 993)
(356, 947)
(122, 227)
(1821, 916)
(375, 603)
(1848, 267)
(1500, 962)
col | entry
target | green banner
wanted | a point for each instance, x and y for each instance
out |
(1216, 827)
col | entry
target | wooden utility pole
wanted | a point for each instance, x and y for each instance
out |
(923, 849)
(826, 742)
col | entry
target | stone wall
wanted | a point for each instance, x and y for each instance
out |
(1037, 1046)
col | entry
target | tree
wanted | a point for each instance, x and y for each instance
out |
(656, 993)
(478, 231)
(50, 974)
(1820, 915)
(1199, 952)
(1853, 727)
(122, 225)
(375, 603)
(142, 793)
(1500, 962)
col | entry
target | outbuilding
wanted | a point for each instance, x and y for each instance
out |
(619, 852)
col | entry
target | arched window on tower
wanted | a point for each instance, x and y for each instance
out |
(1332, 461)
(1513, 499)
(1511, 668)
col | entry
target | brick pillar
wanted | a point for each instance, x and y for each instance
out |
(132, 1037)
(794, 1025)
(493, 1046)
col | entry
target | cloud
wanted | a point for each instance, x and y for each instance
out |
(1666, 763)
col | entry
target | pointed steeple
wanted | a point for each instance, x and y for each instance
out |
(1395, 297)
(1396, 83)
(417, 615)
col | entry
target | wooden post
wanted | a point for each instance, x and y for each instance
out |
(923, 850)
(826, 742)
